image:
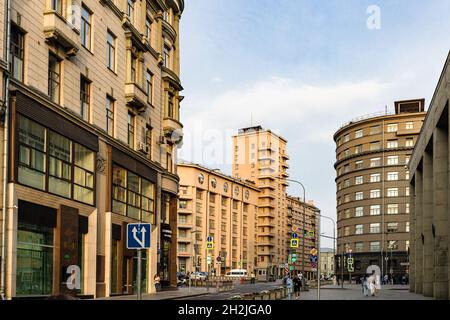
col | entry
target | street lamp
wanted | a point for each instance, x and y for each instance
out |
(318, 251)
(193, 257)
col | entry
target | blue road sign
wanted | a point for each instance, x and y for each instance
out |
(209, 239)
(313, 259)
(138, 235)
(294, 235)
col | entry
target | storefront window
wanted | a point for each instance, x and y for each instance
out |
(34, 260)
(31, 153)
(133, 196)
(114, 263)
(70, 165)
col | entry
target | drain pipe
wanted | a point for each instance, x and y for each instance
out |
(6, 76)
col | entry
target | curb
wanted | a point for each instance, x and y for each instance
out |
(188, 296)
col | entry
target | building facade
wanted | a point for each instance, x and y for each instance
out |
(327, 262)
(260, 155)
(92, 128)
(373, 189)
(302, 219)
(215, 205)
(429, 184)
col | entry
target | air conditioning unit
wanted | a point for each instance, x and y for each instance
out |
(142, 147)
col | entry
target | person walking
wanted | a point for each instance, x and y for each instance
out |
(157, 281)
(289, 286)
(365, 286)
(297, 286)
(253, 277)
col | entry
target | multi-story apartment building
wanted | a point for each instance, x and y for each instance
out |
(373, 188)
(91, 131)
(429, 183)
(302, 220)
(260, 155)
(212, 204)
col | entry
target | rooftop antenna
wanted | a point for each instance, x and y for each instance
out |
(385, 109)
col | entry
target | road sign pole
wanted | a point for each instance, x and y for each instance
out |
(139, 276)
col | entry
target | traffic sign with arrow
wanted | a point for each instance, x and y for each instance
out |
(138, 235)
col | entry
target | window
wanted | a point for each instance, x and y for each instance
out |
(358, 134)
(346, 231)
(409, 125)
(166, 57)
(148, 30)
(374, 228)
(359, 211)
(54, 78)
(359, 246)
(375, 129)
(359, 180)
(111, 51)
(392, 227)
(133, 195)
(392, 176)
(359, 229)
(130, 10)
(86, 27)
(393, 127)
(409, 142)
(148, 139)
(375, 210)
(407, 226)
(110, 115)
(359, 196)
(130, 130)
(149, 86)
(407, 208)
(392, 192)
(407, 160)
(375, 162)
(358, 149)
(407, 175)
(70, 169)
(359, 164)
(170, 106)
(133, 68)
(16, 53)
(347, 198)
(346, 152)
(375, 246)
(374, 145)
(392, 144)
(346, 138)
(182, 204)
(85, 88)
(407, 191)
(392, 160)
(169, 161)
(375, 177)
(57, 6)
(392, 208)
(347, 213)
(346, 183)
(375, 193)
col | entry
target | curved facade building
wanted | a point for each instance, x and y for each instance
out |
(372, 195)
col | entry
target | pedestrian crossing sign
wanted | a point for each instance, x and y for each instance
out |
(294, 243)
(210, 245)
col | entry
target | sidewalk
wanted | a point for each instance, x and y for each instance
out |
(182, 292)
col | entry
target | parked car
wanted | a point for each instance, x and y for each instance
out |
(198, 275)
(237, 273)
(181, 278)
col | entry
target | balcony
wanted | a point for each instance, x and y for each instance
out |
(172, 78)
(267, 204)
(285, 156)
(184, 239)
(265, 243)
(265, 224)
(266, 253)
(267, 185)
(169, 31)
(185, 196)
(185, 210)
(266, 234)
(271, 195)
(184, 254)
(58, 31)
(136, 97)
(169, 126)
(184, 225)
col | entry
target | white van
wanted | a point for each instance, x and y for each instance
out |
(237, 273)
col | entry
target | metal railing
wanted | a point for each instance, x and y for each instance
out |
(367, 116)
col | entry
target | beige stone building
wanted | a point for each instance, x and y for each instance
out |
(327, 262)
(92, 130)
(215, 205)
(372, 154)
(260, 155)
(429, 186)
(302, 219)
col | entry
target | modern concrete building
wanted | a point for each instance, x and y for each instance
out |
(90, 105)
(302, 219)
(215, 205)
(429, 186)
(372, 195)
(327, 262)
(260, 155)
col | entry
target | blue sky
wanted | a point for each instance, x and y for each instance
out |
(302, 68)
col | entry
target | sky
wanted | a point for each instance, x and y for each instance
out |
(302, 68)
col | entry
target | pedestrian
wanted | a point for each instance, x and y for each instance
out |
(297, 286)
(334, 280)
(365, 285)
(385, 279)
(157, 281)
(289, 286)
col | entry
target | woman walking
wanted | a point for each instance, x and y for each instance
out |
(157, 280)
